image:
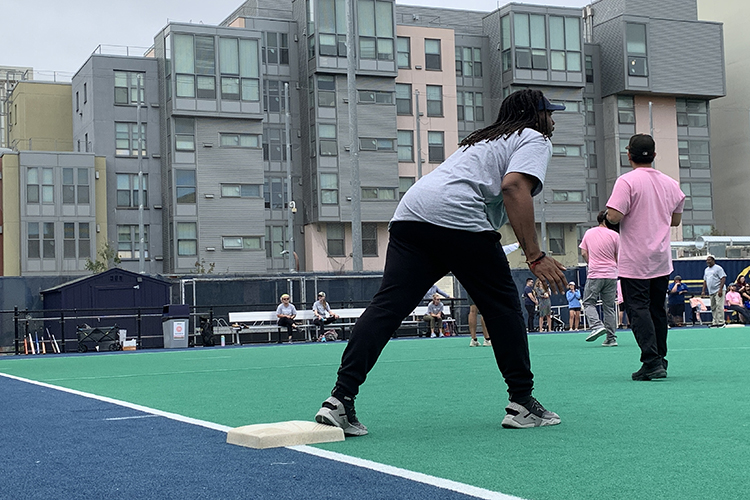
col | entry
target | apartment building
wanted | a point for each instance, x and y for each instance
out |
(235, 169)
(113, 97)
(730, 119)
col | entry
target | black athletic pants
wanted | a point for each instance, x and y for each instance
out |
(530, 310)
(413, 263)
(648, 316)
(286, 322)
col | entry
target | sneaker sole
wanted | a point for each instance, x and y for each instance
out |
(509, 422)
(323, 417)
(596, 335)
(656, 374)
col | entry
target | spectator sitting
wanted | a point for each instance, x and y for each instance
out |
(743, 288)
(734, 303)
(323, 314)
(434, 316)
(677, 291)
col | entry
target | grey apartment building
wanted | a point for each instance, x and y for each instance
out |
(214, 111)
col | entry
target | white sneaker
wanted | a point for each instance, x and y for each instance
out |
(432, 335)
(596, 334)
(487, 343)
(473, 343)
(441, 334)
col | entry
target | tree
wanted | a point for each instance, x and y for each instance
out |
(200, 267)
(107, 258)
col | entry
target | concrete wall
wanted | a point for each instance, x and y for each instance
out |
(41, 117)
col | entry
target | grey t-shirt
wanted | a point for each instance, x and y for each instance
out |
(465, 191)
(712, 276)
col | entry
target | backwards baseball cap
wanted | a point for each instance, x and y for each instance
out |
(545, 104)
(642, 148)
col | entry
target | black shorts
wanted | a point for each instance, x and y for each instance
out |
(676, 309)
(575, 308)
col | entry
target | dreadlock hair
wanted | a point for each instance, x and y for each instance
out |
(518, 111)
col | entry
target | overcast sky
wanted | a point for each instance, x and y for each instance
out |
(58, 36)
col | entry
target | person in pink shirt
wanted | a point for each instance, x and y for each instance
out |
(734, 303)
(599, 248)
(645, 203)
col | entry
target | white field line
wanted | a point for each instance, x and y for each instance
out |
(438, 482)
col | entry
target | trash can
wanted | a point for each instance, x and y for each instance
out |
(174, 322)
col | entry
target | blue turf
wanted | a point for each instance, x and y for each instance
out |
(59, 445)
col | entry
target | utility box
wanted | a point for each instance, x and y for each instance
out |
(174, 321)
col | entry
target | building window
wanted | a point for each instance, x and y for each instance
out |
(470, 106)
(185, 185)
(83, 240)
(251, 141)
(636, 47)
(436, 146)
(240, 191)
(275, 48)
(589, 115)
(275, 241)
(126, 87)
(505, 42)
(326, 91)
(697, 195)
(369, 239)
(129, 241)
(378, 193)
(624, 162)
(274, 144)
(404, 183)
(469, 62)
(240, 69)
(591, 160)
(589, 61)
(187, 239)
(195, 66)
(375, 97)
(329, 189)
(432, 60)
(335, 239)
(40, 185)
(328, 144)
(625, 109)
(331, 27)
(694, 154)
(403, 99)
(75, 187)
(693, 231)
(406, 146)
(240, 242)
(692, 113)
(434, 100)
(403, 52)
(274, 100)
(556, 236)
(531, 42)
(184, 134)
(126, 139)
(41, 246)
(370, 144)
(567, 196)
(566, 150)
(593, 191)
(127, 190)
(275, 193)
(565, 43)
(375, 23)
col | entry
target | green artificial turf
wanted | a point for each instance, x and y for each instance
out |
(435, 406)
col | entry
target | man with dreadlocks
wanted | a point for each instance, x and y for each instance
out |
(488, 181)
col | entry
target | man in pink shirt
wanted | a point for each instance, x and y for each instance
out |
(599, 248)
(734, 303)
(645, 203)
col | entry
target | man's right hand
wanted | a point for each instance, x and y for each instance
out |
(549, 270)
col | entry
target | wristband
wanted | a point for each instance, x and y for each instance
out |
(536, 261)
